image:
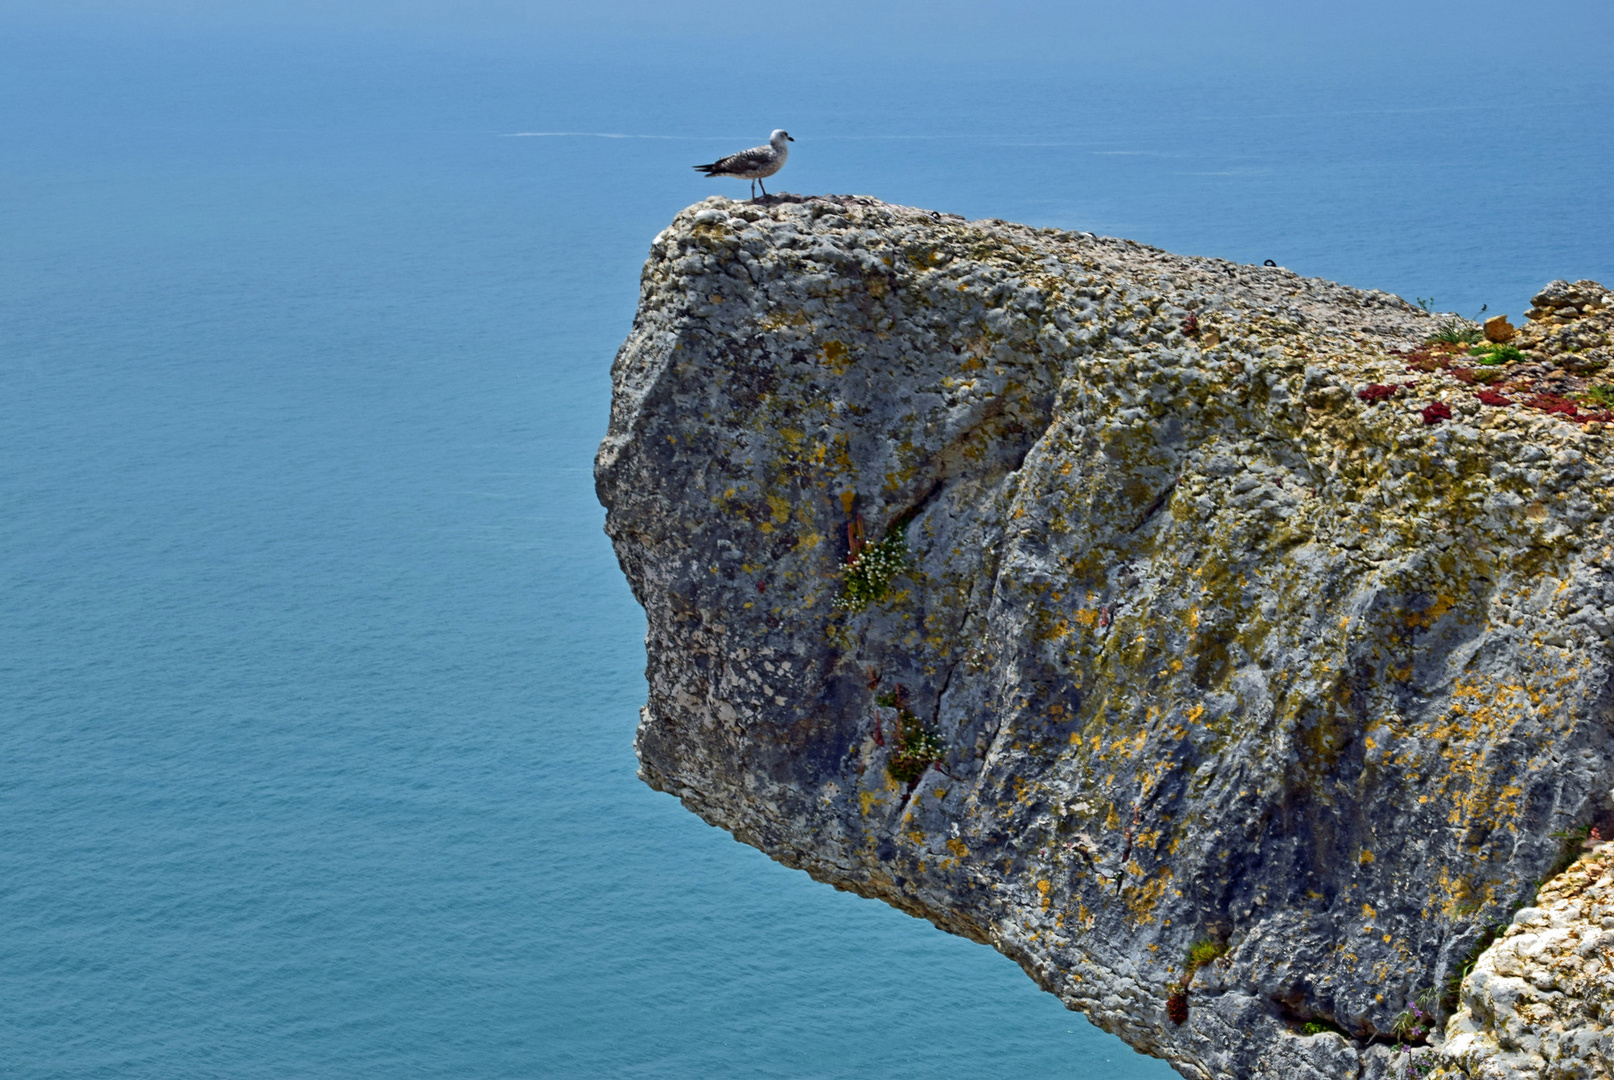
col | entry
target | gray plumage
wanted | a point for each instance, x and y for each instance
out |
(755, 163)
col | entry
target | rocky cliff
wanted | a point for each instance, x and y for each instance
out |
(1538, 1003)
(1204, 637)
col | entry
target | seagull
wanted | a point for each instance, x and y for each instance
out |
(755, 163)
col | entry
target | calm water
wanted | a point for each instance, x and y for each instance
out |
(317, 676)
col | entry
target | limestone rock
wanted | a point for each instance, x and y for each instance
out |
(1150, 638)
(1539, 1004)
(1561, 298)
(1571, 326)
(1498, 329)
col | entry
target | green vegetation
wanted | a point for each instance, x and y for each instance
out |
(1201, 953)
(1456, 330)
(869, 573)
(1602, 395)
(918, 748)
(1490, 353)
(1454, 982)
(1318, 1027)
(1414, 1023)
(1573, 843)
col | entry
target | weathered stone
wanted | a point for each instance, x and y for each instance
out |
(1175, 641)
(1561, 295)
(1498, 329)
(1538, 1002)
(1578, 335)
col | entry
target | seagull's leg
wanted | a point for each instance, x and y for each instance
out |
(753, 191)
(764, 189)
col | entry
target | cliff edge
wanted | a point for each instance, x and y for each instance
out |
(1198, 635)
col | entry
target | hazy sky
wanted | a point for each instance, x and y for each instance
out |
(1478, 39)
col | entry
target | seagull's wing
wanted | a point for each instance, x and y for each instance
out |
(745, 161)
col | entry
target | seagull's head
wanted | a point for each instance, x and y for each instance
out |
(778, 139)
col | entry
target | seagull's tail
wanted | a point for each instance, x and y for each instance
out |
(709, 170)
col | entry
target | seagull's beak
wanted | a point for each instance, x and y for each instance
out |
(788, 138)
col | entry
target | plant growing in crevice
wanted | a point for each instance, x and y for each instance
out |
(1177, 1005)
(1602, 395)
(1416, 1068)
(1200, 953)
(1414, 1023)
(1567, 408)
(1491, 354)
(1455, 330)
(871, 567)
(1412, 1027)
(1574, 842)
(1454, 981)
(916, 747)
(1421, 359)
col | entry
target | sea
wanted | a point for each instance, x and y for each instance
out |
(318, 677)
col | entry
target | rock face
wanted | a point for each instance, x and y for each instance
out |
(1540, 1002)
(1574, 324)
(1096, 602)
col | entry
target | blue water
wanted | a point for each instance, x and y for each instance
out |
(317, 676)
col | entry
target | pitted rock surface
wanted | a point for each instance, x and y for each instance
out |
(1216, 641)
(1572, 324)
(1539, 1004)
